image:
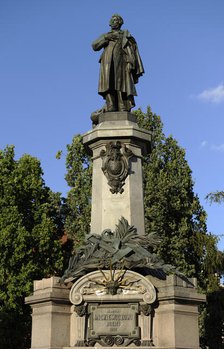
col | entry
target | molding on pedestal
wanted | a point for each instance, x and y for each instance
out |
(117, 126)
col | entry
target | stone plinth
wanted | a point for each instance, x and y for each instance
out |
(51, 314)
(172, 321)
(108, 207)
(166, 312)
(176, 316)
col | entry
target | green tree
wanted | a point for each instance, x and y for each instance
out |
(79, 178)
(31, 228)
(217, 197)
(172, 209)
(214, 315)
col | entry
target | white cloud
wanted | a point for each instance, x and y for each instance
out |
(213, 147)
(213, 95)
(218, 147)
(203, 144)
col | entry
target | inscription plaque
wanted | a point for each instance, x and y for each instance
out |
(114, 321)
(105, 319)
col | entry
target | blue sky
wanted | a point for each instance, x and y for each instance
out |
(49, 76)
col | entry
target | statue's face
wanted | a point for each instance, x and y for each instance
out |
(115, 23)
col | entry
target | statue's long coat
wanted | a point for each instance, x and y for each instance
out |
(114, 74)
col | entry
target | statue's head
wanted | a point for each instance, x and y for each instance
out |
(116, 21)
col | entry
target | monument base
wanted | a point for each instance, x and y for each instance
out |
(169, 322)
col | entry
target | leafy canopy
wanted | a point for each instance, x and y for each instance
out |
(31, 227)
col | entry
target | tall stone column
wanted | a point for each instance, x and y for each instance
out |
(117, 145)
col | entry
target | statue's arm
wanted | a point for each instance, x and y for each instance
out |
(100, 43)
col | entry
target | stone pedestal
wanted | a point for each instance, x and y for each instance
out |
(62, 318)
(51, 314)
(108, 207)
(176, 316)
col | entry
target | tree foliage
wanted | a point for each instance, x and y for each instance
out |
(79, 178)
(214, 318)
(172, 209)
(214, 329)
(31, 227)
(217, 197)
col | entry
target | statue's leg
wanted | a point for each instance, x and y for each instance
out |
(126, 103)
(130, 102)
(110, 100)
(121, 101)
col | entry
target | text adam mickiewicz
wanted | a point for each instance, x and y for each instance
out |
(118, 317)
(112, 320)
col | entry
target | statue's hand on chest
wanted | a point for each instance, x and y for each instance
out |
(112, 36)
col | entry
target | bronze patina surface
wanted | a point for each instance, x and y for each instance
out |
(120, 67)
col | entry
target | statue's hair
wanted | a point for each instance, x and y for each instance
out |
(121, 21)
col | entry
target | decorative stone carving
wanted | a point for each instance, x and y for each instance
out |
(146, 309)
(80, 309)
(113, 284)
(120, 249)
(131, 286)
(113, 317)
(116, 165)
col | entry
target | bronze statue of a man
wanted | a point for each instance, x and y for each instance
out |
(120, 67)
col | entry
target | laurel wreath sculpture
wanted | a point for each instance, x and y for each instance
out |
(122, 249)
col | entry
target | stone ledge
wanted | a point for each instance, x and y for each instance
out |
(117, 116)
(179, 294)
(48, 297)
(108, 131)
(52, 347)
(52, 282)
(129, 347)
(49, 290)
(174, 288)
(173, 280)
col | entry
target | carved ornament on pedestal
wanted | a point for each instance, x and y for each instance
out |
(113, 316)
(116, 165)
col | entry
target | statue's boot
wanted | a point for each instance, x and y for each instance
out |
(95, 115)
(110, 102)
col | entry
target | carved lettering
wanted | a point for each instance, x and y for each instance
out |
(118, 317)
(120, 320)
